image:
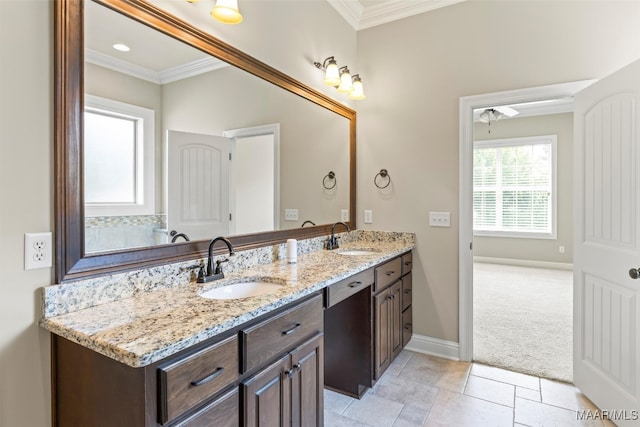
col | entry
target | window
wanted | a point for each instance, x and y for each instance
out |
(514, 187)
(118, 158)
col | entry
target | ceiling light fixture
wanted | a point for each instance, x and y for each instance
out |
(341, 78)
(496, 113)
(121, 47)
(225, 11)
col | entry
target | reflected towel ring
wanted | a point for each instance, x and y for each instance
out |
(383, 174)
(330, 176)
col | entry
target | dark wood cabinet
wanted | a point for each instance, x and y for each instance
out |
(267, 372)
(222, 412)
(289, 391)
(392, 299)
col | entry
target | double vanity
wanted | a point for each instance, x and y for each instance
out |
(254, 348)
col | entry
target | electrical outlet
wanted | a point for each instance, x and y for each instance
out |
(561, 249)
(344, 215)
(368, 216)
(37, 250)
(291, 214)
(440, 219)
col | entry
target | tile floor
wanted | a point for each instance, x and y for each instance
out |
(422, 390)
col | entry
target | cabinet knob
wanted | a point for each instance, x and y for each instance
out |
(634, 273)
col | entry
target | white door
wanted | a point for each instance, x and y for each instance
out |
(198, 184)
(607, 243)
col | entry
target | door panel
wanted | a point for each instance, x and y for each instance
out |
(606, 227)
(198, 184)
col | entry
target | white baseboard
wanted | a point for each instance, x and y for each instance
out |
(433, 346)
(525, 263)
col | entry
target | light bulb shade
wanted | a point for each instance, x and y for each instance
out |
(226, 11)
(357, 92)
(345, 81)
(332, 74)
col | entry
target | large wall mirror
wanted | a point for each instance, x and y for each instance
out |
(184, 137)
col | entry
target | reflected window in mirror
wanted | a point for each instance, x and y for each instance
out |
(119, 175)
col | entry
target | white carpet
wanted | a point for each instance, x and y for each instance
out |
(523, 320)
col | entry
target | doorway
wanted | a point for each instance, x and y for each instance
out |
(255, 178)
(522, 279)
(466, 251)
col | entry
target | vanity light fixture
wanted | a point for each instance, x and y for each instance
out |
(341, 78)
(225, 11)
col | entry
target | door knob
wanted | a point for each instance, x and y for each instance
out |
(634, 273)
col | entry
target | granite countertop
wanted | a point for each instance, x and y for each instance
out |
(150, 326)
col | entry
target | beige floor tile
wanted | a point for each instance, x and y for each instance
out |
(538, 414)
(399, 363)
(563, 395)
(502, 375)
(493, 391)
(454, 409)
(374, 410)
(332, 419)
(336, 402)
(527, 393)
(442, 373)
(405, 391)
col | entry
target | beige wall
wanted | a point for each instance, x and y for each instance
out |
(415, 72)
(536, 249)
(26, 194)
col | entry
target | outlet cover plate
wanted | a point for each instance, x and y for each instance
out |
(368, 216)
(38, 250)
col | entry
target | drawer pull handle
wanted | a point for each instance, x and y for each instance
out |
(408, 263)
(408, 326)
(354, 284)
(208, 378)
(292, 330)
(407, 291)
(390, 273)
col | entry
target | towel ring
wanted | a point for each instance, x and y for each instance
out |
(328, 178)
(383, 174)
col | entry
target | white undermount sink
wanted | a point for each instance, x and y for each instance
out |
(358, 252)
(241, 290)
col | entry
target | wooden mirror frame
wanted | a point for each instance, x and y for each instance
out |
(71, 261)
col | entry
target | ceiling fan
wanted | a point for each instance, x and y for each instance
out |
(496, 113)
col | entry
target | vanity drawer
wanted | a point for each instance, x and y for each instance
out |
(407, 291)
(194, 378)
(345, 288)
(278, 334)
(387, 273)
(222, 412)
(407, 263)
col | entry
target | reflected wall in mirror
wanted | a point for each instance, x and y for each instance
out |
(308, 133)
(192, 181)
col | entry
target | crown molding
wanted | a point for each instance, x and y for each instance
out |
(360, 17)
(350, 10)
(169, 75)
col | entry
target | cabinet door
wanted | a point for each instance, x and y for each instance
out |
(382, 301)
(222, 412)
(267, 396)
(307, 406)
(395, 319)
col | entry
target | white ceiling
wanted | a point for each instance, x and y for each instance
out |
(361, 14)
